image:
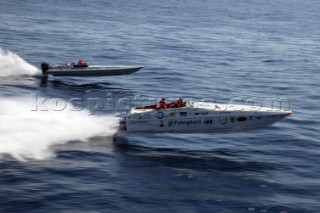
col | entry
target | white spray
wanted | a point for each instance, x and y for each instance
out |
(12, 64)
(27, 134)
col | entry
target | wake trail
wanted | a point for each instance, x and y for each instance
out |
(28, 134)
(13, 65)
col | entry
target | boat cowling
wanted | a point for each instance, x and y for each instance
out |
(44, 67)
(81, 65)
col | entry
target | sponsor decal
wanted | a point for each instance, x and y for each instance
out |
(171, 115)
(204, 113)
(161, 123)
(207, 122)
(139, 122)
(232, 119)
(221, 113)
(258, 117)
(184, 122)
(222, 120)
(217, 106)
(197, 113)
(146, 116)
(242, 119)
(183, 114)
(160, 115)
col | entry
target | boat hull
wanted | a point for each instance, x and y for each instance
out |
(94, 71)
(202, 120)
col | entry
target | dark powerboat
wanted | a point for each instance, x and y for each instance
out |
(84, 69)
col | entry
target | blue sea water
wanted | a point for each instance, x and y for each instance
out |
(67, 160)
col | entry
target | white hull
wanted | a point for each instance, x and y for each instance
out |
(205, 117)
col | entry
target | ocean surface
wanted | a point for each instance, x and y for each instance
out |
(58, 152)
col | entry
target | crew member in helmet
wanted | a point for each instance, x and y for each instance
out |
(80, 62)
(162, 104)
(178, 103)
(181, 101)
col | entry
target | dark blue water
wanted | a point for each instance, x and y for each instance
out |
(67, 160)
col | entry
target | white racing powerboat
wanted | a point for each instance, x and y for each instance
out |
(200, 117)
(84, 69)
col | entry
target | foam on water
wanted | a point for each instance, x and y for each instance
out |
(12, 64)
(27, 134)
